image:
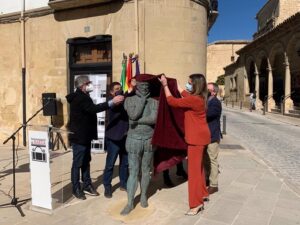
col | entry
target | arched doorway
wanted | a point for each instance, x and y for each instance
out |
(251, 76)
(293, 52)
(263, 79)
(278, 77)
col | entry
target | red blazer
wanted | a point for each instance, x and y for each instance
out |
(195, 125)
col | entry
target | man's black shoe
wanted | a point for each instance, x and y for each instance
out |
(89, 190)
(107, 193)
(79, 194)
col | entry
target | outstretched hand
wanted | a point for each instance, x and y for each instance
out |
(118, 99)
(163, 80)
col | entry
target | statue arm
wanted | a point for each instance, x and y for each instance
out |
(134, 109)
(151, 119)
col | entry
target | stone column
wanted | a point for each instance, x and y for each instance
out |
(271, 102)
(288, 104)
(258, 101)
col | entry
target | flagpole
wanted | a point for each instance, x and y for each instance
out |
(136, 26)
(23, 64)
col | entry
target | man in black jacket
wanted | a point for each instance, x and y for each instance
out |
(83, 125)
(213, 115)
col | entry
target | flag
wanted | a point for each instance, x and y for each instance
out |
(129, 72)
(137, 66)
(123, 74)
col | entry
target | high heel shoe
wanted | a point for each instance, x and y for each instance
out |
(195, 211)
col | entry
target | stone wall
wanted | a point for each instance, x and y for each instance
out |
(172, 40)
(219, 55)
(287, 8)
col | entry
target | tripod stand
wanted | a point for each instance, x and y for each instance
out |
(14, 202)
(58, 138)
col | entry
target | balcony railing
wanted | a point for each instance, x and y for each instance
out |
(67, 4)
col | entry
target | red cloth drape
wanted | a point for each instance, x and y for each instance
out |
(169, 132)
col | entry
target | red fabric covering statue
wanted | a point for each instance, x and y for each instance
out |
(169, 129)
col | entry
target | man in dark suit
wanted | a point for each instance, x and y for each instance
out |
(213, 115)
(83, 125)
(115, 134)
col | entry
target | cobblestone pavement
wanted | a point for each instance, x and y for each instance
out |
(275, 140)
(250, 193)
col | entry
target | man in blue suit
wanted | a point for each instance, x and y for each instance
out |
(115, 134)
(213, 115)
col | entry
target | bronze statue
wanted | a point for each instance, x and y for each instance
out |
(142, 113)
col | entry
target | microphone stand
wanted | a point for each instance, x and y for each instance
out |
(14, 200)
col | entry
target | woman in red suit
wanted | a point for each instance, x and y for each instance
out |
(197, 135)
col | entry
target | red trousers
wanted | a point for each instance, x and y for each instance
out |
(196, 176)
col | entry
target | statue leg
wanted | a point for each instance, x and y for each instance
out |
(134, 161)
(146, 169)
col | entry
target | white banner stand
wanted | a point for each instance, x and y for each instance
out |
(40, 171)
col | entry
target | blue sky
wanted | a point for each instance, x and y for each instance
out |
(236, 20)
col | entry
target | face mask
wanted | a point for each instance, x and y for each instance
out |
(189, 87)
(89, 88)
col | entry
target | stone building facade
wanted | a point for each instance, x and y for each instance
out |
(66, 38)
(220, 54)
(270, 64)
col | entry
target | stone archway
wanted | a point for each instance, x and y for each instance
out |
(250, 68)
(263, 75)
(277, 61)
(293, 53)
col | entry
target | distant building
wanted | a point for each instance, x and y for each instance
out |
(65, 38)
(220, 54)
(270, 64)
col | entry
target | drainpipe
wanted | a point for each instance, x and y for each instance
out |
(136, 8)
(23, 58)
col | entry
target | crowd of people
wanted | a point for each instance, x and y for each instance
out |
(131, 120)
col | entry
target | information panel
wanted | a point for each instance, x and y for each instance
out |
(40, 169)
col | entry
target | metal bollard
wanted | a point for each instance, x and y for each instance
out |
(232, 104)
(226, 102)
(241, 104)
(224, 125)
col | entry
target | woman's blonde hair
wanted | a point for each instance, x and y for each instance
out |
(199, 85)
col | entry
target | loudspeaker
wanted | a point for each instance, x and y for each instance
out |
(49, 103)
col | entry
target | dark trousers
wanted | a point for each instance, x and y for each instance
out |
(115, 149)
(81, 162)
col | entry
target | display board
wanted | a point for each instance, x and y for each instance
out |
(40, 169)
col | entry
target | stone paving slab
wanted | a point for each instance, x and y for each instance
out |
(250, 193)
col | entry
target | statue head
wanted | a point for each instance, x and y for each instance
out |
(143, 88)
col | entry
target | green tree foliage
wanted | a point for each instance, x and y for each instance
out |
(221, 80)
